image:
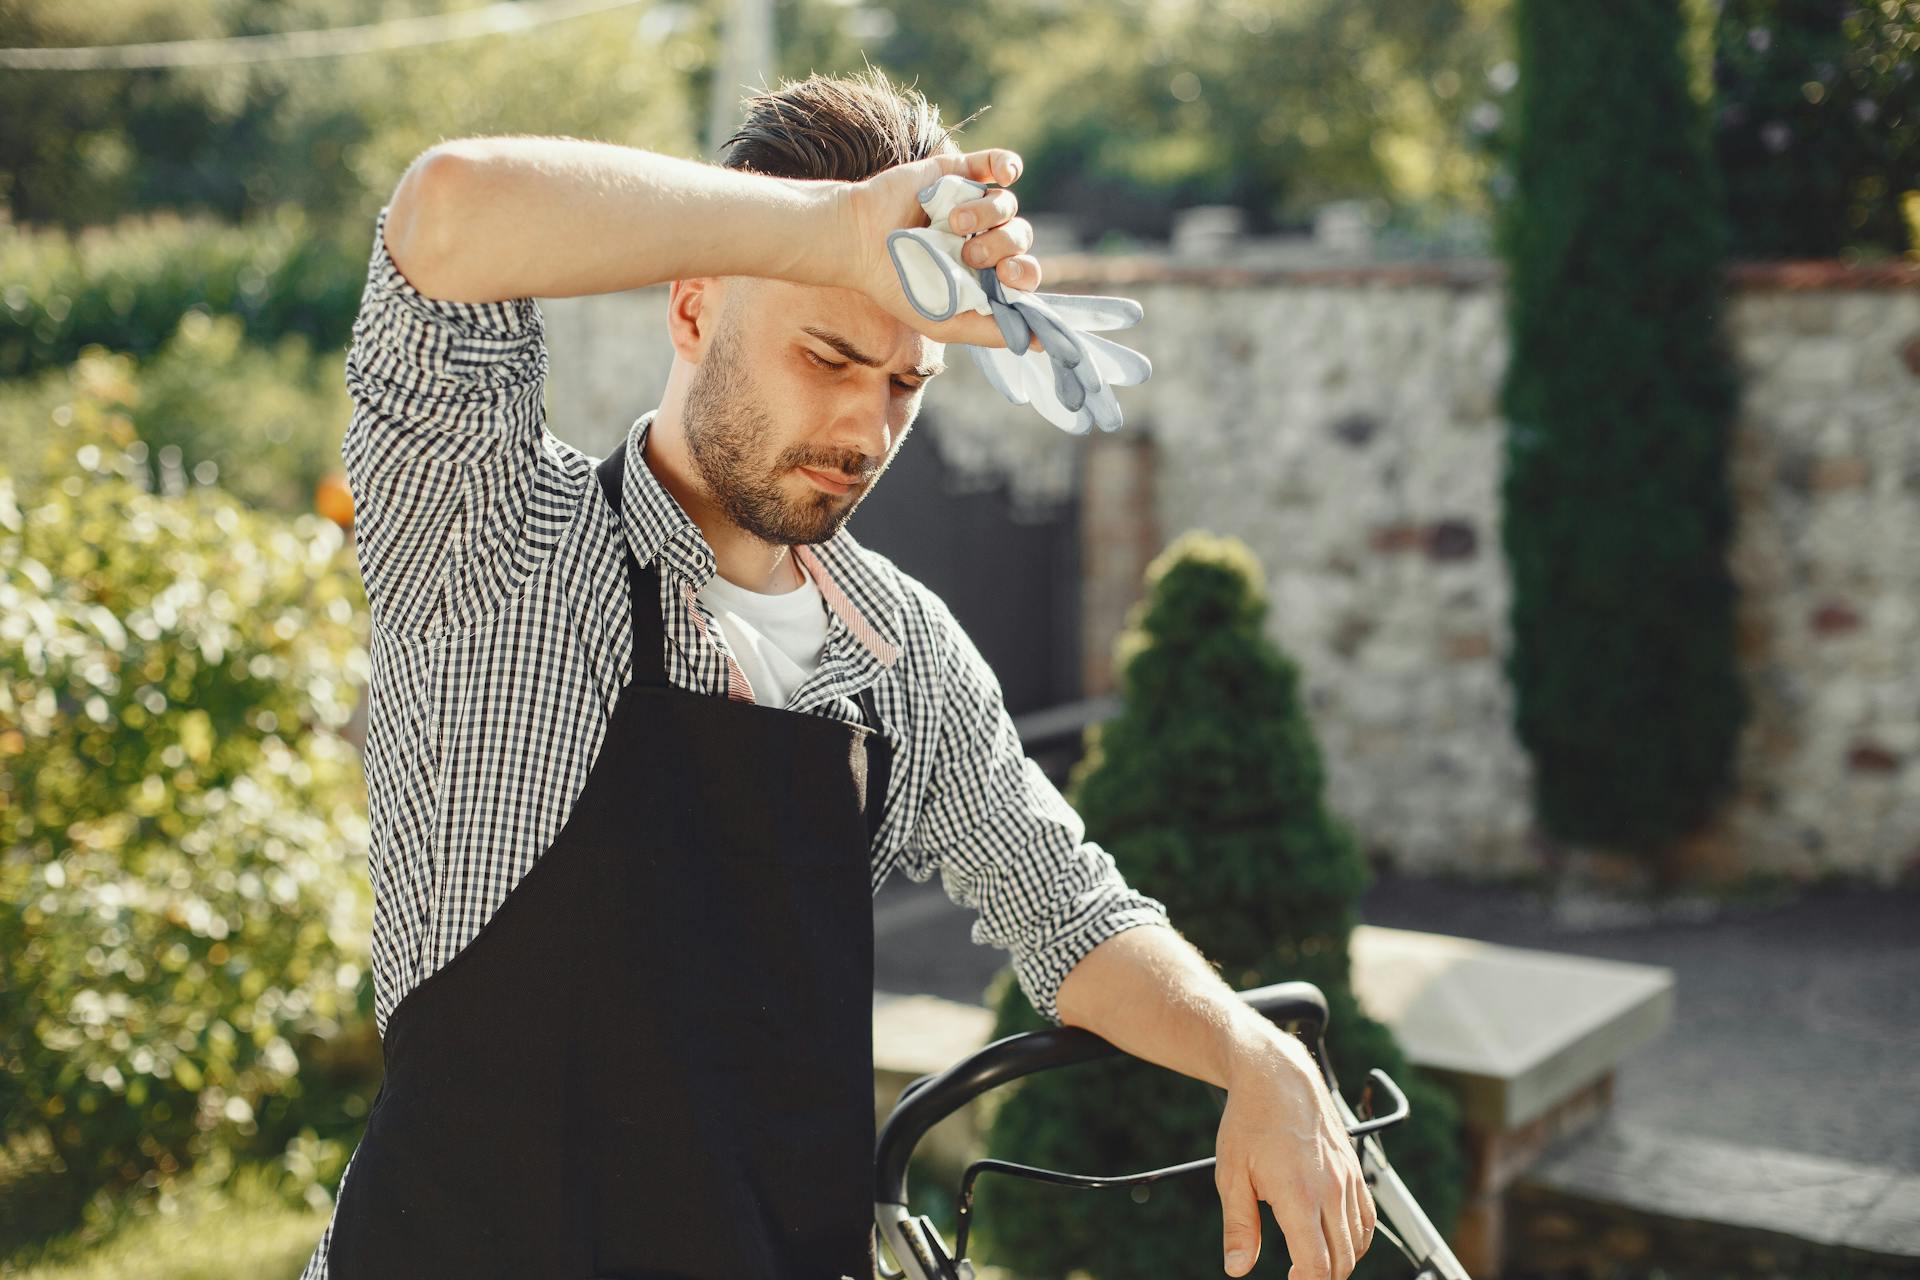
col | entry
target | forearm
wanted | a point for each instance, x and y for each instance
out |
(1147, 991)
(485, 219)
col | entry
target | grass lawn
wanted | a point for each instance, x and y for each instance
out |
(240, 1235)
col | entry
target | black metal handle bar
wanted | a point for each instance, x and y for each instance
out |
(1298, 1007)
(932, 1098)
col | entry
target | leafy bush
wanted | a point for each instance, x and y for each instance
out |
(183, 909)
(1619, 398)
(1208, 790)
(127, 286)
(266, 423)
(1818, 129)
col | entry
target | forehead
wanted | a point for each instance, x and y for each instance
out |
(782, 310)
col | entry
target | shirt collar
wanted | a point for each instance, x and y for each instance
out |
(861, 599)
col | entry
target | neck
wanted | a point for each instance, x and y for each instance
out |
(738, 556)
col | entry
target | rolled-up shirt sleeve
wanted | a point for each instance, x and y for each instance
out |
(1007, 843)
(443, 446)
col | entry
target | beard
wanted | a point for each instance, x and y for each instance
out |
(727, 430)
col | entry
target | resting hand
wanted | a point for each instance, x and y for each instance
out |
(1281, 1140)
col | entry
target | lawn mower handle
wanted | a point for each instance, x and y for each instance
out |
(932, 1098)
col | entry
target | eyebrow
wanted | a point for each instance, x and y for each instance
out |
(858, 356)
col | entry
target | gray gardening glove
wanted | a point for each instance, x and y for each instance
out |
(1071, 379)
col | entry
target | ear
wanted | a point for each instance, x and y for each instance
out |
(693, 313)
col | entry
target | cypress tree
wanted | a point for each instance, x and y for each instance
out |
(1619, 396)
(1208, 790)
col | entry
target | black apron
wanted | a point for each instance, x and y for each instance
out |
(656, 1058)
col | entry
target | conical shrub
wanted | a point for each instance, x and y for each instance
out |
(1209, 792)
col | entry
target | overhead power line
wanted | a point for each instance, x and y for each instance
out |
(398, 33)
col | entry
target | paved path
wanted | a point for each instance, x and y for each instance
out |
(1797, 1023)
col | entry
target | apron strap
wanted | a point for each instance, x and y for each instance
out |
(643, 585)
(879, 764)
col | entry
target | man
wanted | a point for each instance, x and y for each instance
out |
(647, 735)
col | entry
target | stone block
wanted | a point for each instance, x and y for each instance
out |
(1835, 619)
(1450, 540)
(1872, 758)
(1835, 474)
(1516, 1031)
(1403, 536)
(1471, 646)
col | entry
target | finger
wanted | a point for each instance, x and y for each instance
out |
(1240, 1222)
(989, 210)
(1004, 241)
(1339, 1234)
(994, 164)
(1022, 271)
(1369, 1211)
(1357, 1199)
(1306, 1242)
(1015, 270)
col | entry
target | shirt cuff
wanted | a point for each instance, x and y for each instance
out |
(1040, 973)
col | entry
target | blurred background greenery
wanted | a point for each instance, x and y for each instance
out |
(184, 1014)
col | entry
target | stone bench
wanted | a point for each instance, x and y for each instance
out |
(1527, 1039)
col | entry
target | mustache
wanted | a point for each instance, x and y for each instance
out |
(858, 466)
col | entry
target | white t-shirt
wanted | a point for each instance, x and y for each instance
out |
(776, 639)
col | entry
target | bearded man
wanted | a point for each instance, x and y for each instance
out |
(647, 733)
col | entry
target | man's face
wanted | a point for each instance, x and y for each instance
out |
(800, 402)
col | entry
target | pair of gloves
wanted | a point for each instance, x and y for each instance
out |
(1070, 380)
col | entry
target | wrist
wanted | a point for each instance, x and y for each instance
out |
(817, 229)
(1256, 1046)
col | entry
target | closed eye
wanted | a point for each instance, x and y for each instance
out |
(908, 387)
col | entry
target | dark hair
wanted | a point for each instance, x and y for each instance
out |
(842, 128)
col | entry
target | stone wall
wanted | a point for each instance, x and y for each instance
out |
(1344, 423)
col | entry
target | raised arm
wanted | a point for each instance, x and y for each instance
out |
(488, 219)
(485, 219)
(449, 446)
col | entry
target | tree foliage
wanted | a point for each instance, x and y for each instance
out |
(1208, 790)
(1125, 110)
(329, 135)
(1818, 124)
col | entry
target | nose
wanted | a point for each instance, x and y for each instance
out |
(865, 433)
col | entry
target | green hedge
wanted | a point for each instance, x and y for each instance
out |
(183, 904)
(127, 287)
(1619, 398)
(1208, 790)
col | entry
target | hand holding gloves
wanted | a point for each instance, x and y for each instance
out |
(1070, 380)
